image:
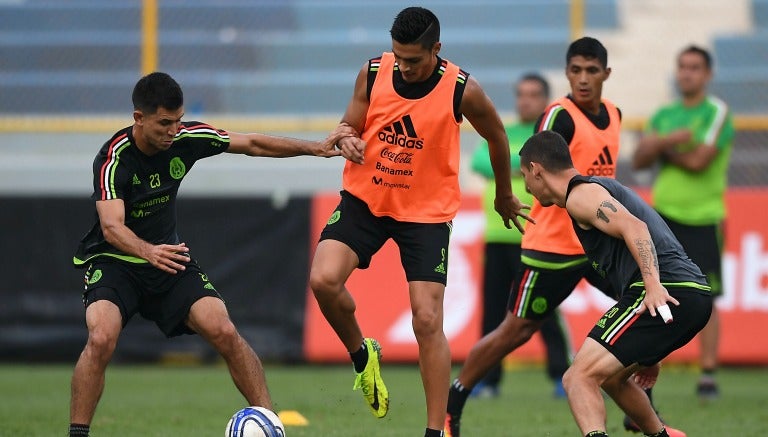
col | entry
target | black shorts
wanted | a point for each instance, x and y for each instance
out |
(704, 246)
(423, 246)
(646, 340)
(537, 292)
(141, 288)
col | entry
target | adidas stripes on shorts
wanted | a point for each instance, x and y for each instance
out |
(423, 246)
(646, 340)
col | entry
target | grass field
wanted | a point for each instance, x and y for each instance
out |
(197, 401)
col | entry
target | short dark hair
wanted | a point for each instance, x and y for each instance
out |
(547, 148)
(589, 48)
(416, 25)
(155, 90)
(536, 77)
(704, 53)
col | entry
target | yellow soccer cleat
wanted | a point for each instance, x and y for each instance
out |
(369, 380)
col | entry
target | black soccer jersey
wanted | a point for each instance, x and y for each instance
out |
(611, 257)
(148, 185)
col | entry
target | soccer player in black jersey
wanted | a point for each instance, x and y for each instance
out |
(631, 246)
(136, 263)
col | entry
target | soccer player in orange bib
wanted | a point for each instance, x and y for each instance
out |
(407, 106)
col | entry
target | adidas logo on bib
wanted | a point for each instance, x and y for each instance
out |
(603, 165)
(401, 133)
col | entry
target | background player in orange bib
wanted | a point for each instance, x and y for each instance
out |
(501, 257)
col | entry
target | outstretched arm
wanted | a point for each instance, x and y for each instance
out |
(593, 207)
(479, 110)
(256, 144)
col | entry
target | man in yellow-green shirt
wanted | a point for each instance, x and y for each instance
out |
(502, 245)
(692, 139)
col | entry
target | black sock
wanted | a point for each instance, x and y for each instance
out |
(596, 434)
(360, 358)
(457, 397)
(662, 433)
(79, 430)
(433, 433)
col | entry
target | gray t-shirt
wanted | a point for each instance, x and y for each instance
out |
(611, 257)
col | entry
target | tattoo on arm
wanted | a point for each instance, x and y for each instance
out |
(609, 205)
(649, 261)
(601, 215)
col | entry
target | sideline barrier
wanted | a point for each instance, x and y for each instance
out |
(383, 309)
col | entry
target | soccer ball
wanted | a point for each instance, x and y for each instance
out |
(255, 422)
